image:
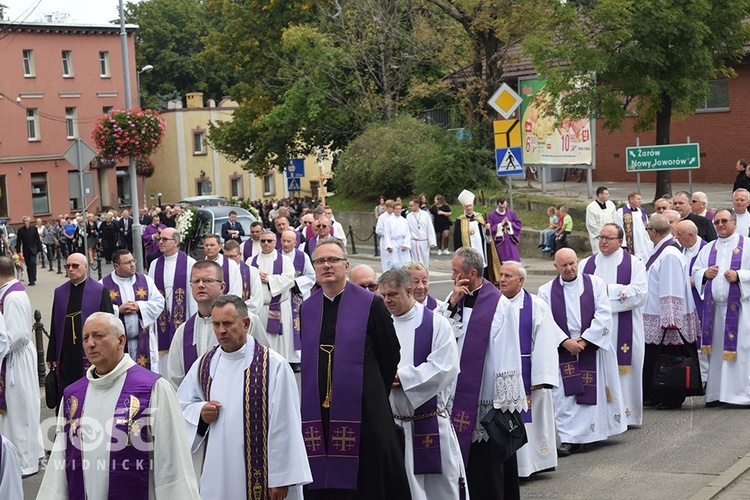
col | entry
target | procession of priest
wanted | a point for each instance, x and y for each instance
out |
(272, 370)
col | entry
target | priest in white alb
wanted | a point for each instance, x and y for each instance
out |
(422, 233)
(627, 289)
(241, 400)
(588, 402)
(722, 277)
(120, 431)
(632, 218)
(19, 383)
(426, 372)
(277, 277)
(538, 334)
(399, 239)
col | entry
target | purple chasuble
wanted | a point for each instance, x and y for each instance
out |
(129, 458)
(255, 411)
(273, 325)
(656, 254)
(733, 306)
(624, 318)
(425, 435)
(299, 267)
(473, 355)
(335, 464)
(189, 347)
(507, 244)
(171, 318)
(245, 273)
(525, 334)
(15, 287)
(430, 303)
(90, 302)
(140, 292)
(578, 372)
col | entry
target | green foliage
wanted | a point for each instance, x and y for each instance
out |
(406, 156)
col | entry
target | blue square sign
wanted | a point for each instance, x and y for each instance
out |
(295, 168)
(509, 161)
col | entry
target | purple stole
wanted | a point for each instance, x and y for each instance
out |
(299, 266)
(658, 252)
(627, 221)
(129, 461)
(225, 271)
(189, 348)
(335, 464)
(733, 306)
(255, 410)
(696, 296)
(273, 324)
(425, 435)
(15, 287)
(311, 244)
(245, 273)
(624, 318)
(169, 321)
(430, 302)
(578, 372)
(473, 355)
(90, 303)
(140, 291)
(525, 334)
(247, 249)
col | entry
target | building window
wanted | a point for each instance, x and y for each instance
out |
(718, 100)
(3, 198)
(32, 124)
(236, 187)
(104, 64)
(199, 142)
(203, 187)
(71, 123)
(269, 185)
(39, 193)
(28, 63)
(107, 109)
(67, 63)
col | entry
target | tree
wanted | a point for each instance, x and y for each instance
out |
(646, 59)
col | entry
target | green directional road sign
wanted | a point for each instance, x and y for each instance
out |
(669, 157)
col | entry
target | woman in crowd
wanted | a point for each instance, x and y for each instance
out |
(441, 215)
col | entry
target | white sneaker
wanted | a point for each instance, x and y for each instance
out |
(440, 252)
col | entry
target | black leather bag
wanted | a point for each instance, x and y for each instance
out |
(507, 432)
(678, 369)
(51, 390)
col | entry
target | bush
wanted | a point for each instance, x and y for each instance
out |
(406, 156)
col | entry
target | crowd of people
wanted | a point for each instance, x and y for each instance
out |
(271, 370)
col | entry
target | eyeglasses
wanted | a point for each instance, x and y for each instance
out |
(267, 241)
(321, 225)
(372, 286)
(329, 260)
(721, 221)
(205, 281)
(164, 240)
(72, 266)
(606, 238)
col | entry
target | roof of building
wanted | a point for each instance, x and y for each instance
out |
(73, 28)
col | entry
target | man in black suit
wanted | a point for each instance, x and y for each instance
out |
(145, 218)
(681, 203)
(231, 229)
(29, 242)
(125, 228)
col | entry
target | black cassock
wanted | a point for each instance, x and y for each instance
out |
(71, 354)
(382, 474)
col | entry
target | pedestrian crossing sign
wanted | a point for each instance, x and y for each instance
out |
(293, 184)
(509, 161)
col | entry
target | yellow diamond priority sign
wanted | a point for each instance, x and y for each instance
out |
(505, 100)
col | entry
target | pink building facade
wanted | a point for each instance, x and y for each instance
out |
(56, 81)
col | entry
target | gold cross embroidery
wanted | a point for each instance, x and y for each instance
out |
(569, 369)
(313, 441)
(141, 293)
(461, 421)
(343, 439)
(587, 378)
(427, 441)
(625, 348)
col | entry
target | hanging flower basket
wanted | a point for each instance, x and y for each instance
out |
(130, 132)
(144, 167)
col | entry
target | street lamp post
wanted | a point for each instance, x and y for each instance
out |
(146, 69)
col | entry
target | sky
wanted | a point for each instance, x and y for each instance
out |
(81, 11)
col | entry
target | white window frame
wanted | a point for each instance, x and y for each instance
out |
(32, 125)
(269, 184)
(67, 64)
(199, 142)
(40, 191)
(104, 64)
(71, 123)
(29, 71)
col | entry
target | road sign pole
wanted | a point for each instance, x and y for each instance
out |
(638, 174)
(83, 204)
(690, 173)
(510, 191)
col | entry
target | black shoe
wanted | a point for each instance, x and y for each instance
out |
(566, 449)
(713, 404)
(32, 283)
(648, 404)
(668, 406)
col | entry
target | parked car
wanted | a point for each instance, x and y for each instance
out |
(204, 201)
(209, 221)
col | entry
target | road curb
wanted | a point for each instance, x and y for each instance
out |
(723, 480)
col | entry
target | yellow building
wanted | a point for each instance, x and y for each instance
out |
(186, 165)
